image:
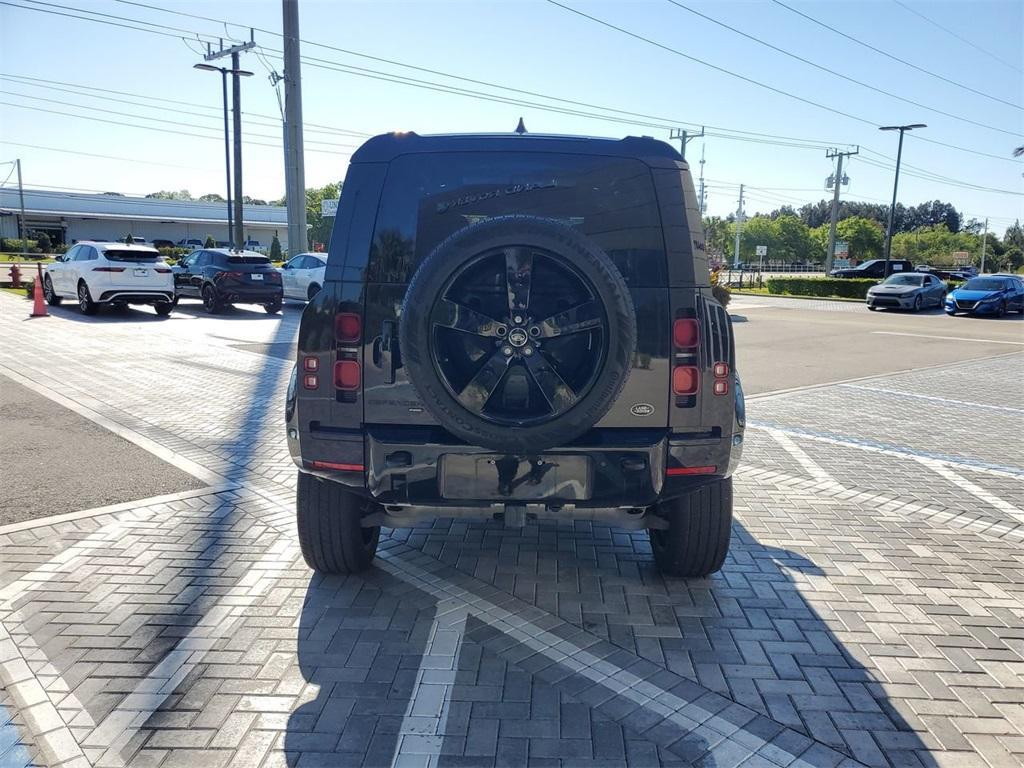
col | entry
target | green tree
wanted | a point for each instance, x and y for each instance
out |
(793, 241)
(275, 249)
(212, 197)
(210, 242)
(717, 237)
(865, 237)
(320, 226)
(43, 242)
(181, 194)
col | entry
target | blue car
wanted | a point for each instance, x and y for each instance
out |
(987, 295)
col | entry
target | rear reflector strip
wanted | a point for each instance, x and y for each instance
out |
(685, 380)
(680, 471)
(339, 467)
(347, 375)
(685, 333)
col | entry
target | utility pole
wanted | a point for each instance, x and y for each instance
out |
(22, 228)
(684, 138)
(838, 181)
(895, 184)
(984, 242)
(700, 198)
(739, 226)
(236, 91)
(294, 170)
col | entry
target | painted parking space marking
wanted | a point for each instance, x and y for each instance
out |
(948, 338)
(810, 465)
(934, 399)
(974, 489)
(977, 465)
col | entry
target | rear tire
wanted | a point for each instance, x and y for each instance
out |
(273, 307)
(314, 289)
(331, 537)
(873, 309)
(85, 302)
(700, 526)
(211, 301)
(163, 308)
(54, 300)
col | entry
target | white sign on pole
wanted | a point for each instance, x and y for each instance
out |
(328, 207)
(760, 250)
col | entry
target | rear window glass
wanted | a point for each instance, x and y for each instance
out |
(147, 257)
(248, 260)
(428, 197)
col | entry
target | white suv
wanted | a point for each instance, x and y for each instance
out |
(303, 275)
(110, 273)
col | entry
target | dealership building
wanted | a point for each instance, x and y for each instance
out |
(67, 217)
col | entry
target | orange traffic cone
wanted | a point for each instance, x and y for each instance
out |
(38, 304)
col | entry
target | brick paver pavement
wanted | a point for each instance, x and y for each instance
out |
(871, 611)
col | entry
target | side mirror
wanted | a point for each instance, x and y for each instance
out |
(59, 257)
(286, 265)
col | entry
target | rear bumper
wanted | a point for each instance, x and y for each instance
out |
(137, 297)
(250, 296)
(406, 466)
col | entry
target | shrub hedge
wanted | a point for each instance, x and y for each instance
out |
(847, 288)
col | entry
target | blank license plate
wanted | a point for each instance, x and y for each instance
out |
(257, 277)
(140, 272)
(492, 476)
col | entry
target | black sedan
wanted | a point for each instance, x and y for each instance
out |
(913, 290)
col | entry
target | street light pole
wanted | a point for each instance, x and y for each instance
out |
(234, 206)
(896, 183)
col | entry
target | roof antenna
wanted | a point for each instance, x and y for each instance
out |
(521, 128)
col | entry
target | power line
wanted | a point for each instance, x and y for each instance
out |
(76, 88)
(888, 55)
(102, 157)
(834, 73)
(160, 130)
(958, 37)
(667, 124)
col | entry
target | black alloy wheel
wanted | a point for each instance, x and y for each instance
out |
(514, 324)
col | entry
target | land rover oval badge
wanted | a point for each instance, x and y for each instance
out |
(642, 409)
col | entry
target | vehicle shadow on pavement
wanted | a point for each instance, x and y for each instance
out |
(743, 662)
(130, 314)
(195, 309)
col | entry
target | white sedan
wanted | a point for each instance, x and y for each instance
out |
(303, 275)
(110, 273)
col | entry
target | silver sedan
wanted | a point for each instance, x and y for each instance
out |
(907, 291)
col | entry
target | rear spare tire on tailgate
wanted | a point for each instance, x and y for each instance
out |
(518, 333)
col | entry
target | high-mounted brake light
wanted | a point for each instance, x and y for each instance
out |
(348, 327)
(347, 375)
(685, 380)
(685, 333)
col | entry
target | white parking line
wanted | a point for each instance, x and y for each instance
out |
(810, 465)
(933, 398)
(975, 490)
(949, 338)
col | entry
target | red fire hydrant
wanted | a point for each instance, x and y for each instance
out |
(15, 276)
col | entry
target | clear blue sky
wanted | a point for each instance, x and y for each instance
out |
(534, 46)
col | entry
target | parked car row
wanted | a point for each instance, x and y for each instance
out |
(98, 273)
(876, 268)
(984, 295)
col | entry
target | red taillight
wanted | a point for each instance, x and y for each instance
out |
(310, 381)
(235, 275)
(347, 375)
(272, 276)
(164, 270)
(348, 327)
(721, 370)
(108, 269)
(685, 333)
(680, 471)
(685, 380)
(720, 387)
(311, 364)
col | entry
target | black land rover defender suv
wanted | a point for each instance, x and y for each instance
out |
(517, 326)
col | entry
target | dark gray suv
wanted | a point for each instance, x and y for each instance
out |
(518, 327)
